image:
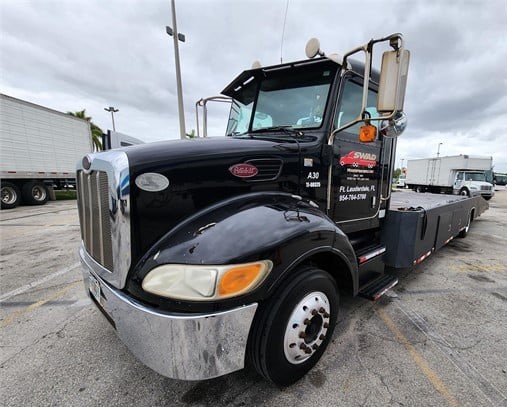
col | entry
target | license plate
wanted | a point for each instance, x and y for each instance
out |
(94, 288)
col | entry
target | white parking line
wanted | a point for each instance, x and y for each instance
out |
(27, 287)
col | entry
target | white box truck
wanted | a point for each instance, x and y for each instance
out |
(460, 174)
(39, 148)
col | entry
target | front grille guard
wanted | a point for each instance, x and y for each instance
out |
(104, 214)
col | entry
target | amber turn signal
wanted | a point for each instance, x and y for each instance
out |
(239, 279)
(367, 133)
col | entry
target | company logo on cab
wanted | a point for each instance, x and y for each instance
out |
(358, 159)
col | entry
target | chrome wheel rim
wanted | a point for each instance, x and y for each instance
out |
(38, 193)
(307, 327)
(8, 196)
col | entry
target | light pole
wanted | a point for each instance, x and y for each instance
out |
(113, 111)
(173, 32)
(438, 150)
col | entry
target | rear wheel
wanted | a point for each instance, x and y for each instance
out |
(10, 195)
(292, 330)
(464, 232)
(34, 193)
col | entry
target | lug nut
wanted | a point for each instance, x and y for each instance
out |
(302, 334)
(322, 337)
(326, 315)
(315, 347)
(314, 312)
(322, 310)
(306, 321)
(308, 350)
(302, 346)
(325, 325)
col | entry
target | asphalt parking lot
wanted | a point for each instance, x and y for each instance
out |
(439, 338)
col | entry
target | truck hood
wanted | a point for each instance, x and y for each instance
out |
(166, 154)
(202, 172)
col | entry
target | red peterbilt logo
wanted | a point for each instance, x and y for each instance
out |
(244, 170)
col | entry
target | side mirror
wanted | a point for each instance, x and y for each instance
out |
(395, 126)
(393, 80)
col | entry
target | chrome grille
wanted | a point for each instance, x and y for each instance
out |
(94, 217)
(485, 188)
(269, 169)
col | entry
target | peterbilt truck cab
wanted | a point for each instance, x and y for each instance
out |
(212, 253)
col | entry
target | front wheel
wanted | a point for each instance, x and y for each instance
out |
(292, 330)
(464, 192)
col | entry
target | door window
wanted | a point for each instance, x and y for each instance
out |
(350, 107)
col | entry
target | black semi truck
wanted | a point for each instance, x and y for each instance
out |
(208, 254)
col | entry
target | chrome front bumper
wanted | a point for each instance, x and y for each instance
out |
(179, 346)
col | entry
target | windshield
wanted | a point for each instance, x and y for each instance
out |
(294, 97)
(475, 176)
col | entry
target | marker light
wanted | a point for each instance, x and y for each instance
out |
(205, 283)
(238, 279)
(367, 133)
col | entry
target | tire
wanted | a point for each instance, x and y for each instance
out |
(279, 349)
(10, 195)
(464, 232)
(464, 192)
(34, 193)
(419, 189)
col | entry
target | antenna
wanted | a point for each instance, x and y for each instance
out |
(283, 30)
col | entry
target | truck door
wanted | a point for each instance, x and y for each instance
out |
(355, 193)
(460, 179)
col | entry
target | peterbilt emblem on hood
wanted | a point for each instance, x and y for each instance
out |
(152, 182)
(244, 170)
(87, 162)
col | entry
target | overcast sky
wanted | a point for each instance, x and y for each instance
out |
(70, 55)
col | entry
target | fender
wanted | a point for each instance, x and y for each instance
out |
(258, 226)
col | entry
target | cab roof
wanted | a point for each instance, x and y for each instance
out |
(250, 75)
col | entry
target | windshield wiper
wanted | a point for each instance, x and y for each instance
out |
(288, 129)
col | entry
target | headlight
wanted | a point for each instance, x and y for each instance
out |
(204, 283)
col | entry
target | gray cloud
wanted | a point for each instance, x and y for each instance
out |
(69, 56)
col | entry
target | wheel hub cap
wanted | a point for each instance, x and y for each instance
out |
(307, 327)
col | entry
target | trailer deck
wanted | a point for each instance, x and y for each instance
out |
(416, 224)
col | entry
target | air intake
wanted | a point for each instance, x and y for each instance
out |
(269, 169)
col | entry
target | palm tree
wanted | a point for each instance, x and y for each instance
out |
(96, 130)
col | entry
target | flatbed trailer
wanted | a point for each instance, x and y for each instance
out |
(419, 224)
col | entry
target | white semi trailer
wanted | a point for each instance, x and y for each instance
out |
(459, 174)
(39, 148)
